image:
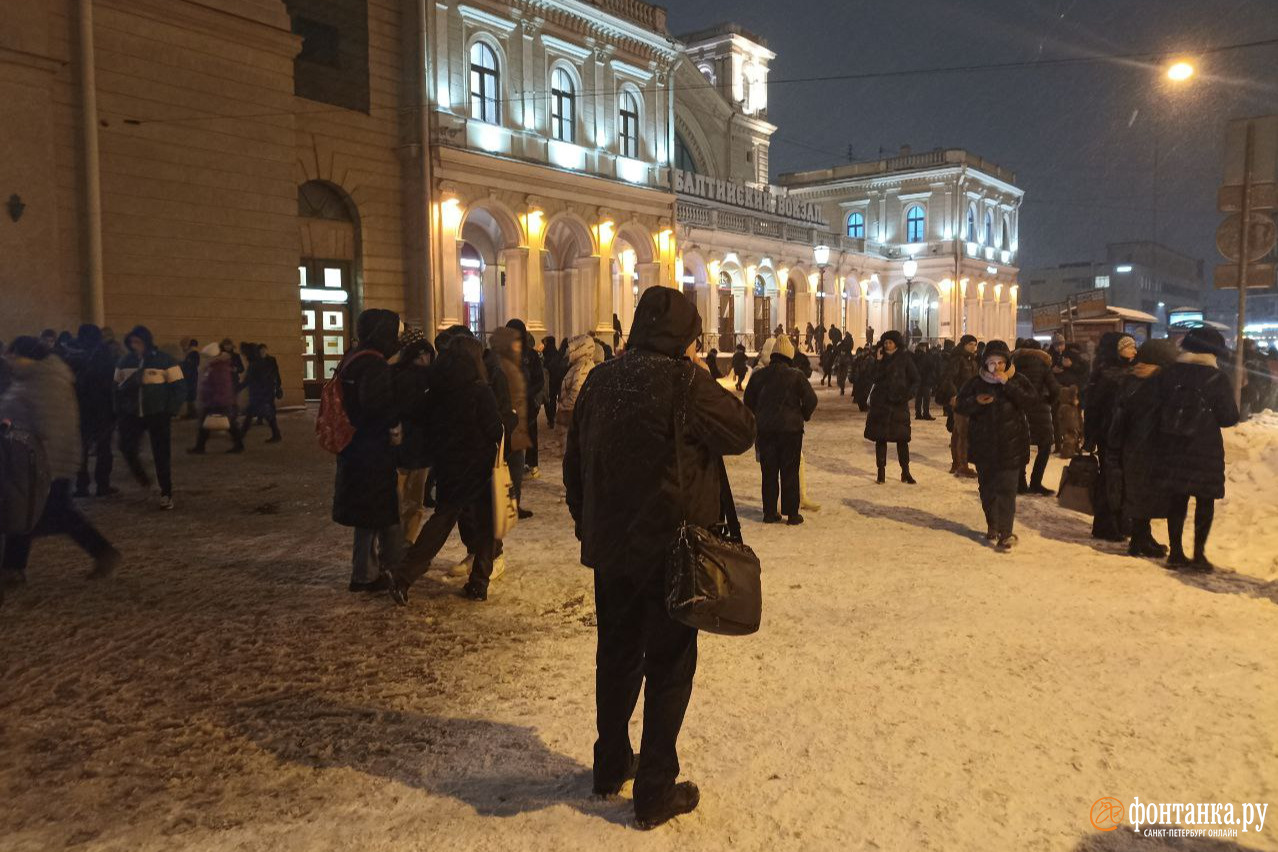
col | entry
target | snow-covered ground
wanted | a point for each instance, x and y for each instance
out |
(910, 689)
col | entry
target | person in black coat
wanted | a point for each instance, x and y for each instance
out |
(1133, 454)
(827, 363)
(1035, 365)
(465, 428)
(366, 487)
(556, 367)
(740, 364)
(413, 456)
(534, 391)
(191, 375)
(1197, 401)
(627, 507)
(863, 377)
(782, 401)
(1114, 355)
(262, 378)
(925, 361)
(712, 364)
(93, 363)
(895, 382)
(997, 402)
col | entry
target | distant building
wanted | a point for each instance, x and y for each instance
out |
(1141, 276)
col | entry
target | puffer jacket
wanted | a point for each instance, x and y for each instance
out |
(151, 383)
(1036, 366)
(581, 360)
(896, 382)
(1101, 394)
(780, 397)
(623, 483)
(217, 383)
(465, 425)
(41, 399)
(1132, 446)
(1000, 435)
(503, 343)
(1195, 464)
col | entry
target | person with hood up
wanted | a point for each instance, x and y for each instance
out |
(556, 365)
(1196, 401)
(465, 430)
(40, 397)
(217, 396)
(826, 362)
(960, 369)
(1114, 355)
(925, 361)
(627, 508)
(93, 363)
(366, 483)
(534, 375)
(895, 383)
(1133, 454)
(580, 361)
(262, 378)
(149, 390)
(843, 364)
(997, 402)
(740, 364)
(782, 401)
(1035, 365)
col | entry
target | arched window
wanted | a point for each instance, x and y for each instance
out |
(628, 122)
(683, 156)
(971, 224)
(915, 223)
(856, 226)
(989, 229)
(485, 83)
(1007, 233)
(563, 106)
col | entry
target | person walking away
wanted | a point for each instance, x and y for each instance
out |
(896, 381)
(926, 365)
(217, 397)
(93, 364)
(863, 377)
(997, 403)
(41, 398)
(740, 364)
(508, 343)
(465, 430)
(1035, 365)
(835, 336)
(365, 484)
(1196, 402)
(413, 453)
(843, 366)
(961, 368)
(262, 377)
(827, 364)
(819, 340)
(627, 508)
(1133, 455)
(809, 335)
(190, 375)
(534, 374)
(149, 390)
(1114, 355)
(712, 364)
(580, 361)
(782, 400)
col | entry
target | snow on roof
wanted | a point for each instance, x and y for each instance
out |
(1130, 314)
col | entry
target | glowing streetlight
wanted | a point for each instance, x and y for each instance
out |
(1179, 72)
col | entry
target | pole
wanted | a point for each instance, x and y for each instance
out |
(1244, 261)
(94, 297)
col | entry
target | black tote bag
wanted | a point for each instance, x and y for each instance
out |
(713, 578)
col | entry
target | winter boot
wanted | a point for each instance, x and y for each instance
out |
(905, 476)
(683, 799)
(474, 592)
(795, 520)
(882, 475)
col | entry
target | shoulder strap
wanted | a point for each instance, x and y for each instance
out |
(727, 505)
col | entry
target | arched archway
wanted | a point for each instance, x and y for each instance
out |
(764, 306)
(914, 310)
(569, 271)
(730, 286)
(631, 269)
(696, 284)
(487, 232)
(330, 279)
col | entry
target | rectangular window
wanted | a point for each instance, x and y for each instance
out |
(630, 134)
(1102, 281)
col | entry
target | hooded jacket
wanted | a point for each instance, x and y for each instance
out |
(150, 383)
(1132, 433)
(41, 398)
(465, 425)
(93, 363)
(581, 360)
(1101, 394)
(626, 491)
(1195, 464)
(780, 397)
(1036, 366)
(503, 344)
(531, 364)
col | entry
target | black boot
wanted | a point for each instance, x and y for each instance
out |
(683, 799)
(882, 475)
(905, 476)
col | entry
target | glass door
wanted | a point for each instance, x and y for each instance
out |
(324, 287)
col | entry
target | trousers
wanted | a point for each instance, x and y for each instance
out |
(779, 456)
(998, 497)
(158, 429)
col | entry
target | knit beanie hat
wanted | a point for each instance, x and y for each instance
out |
(783, 347)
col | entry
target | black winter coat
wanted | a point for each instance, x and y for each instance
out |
(1036, 366)
(624, 491)
(740, 364)
(94, 371)
(1100, 397)
(465, 428)
(1133, 455)
(1000, 436)
(1196, 465)
(803, 364)
(780, 397)
(958, 370)
(365, 490)
(896, 382)
(414, 452)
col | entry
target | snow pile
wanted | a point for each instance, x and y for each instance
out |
(1245, 535)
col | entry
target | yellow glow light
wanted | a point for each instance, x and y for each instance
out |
(1179, 72)
(450, 214)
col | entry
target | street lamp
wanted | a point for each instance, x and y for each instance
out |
(910, 268)
(822, 256)
(1179, 72)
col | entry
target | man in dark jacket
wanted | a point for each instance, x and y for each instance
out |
(926, 362)
(740, 364)
(1035, 364)
(959, 370)
(366, 486)
(93, 363)
(149, 391)
(627, 507)
(782, 401)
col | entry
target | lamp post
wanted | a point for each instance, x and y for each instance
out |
(910, 268)
(821, 254)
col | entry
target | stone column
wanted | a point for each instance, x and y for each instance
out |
(518, 297)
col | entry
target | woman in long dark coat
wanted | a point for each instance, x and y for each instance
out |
(1035, 365)
(1114, 355)
(896, 381)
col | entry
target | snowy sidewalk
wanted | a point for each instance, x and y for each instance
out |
(910, 690)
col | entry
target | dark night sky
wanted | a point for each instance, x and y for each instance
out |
(1079, 137)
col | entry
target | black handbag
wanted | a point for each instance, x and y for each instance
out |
(1078, 484)
(713, 579)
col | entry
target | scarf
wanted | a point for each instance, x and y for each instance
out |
(1205, 359)
(1007, 377)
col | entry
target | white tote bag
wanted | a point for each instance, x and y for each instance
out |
(505, 507)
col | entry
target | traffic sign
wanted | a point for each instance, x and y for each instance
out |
(1261, 241)
(1259, 275)
(1264, 196)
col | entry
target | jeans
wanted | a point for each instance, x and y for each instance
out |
(638, 641)
(60, 517)
(95, 438)
(157, 427)
(998, 497)
(779, 455)
(368, 563)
